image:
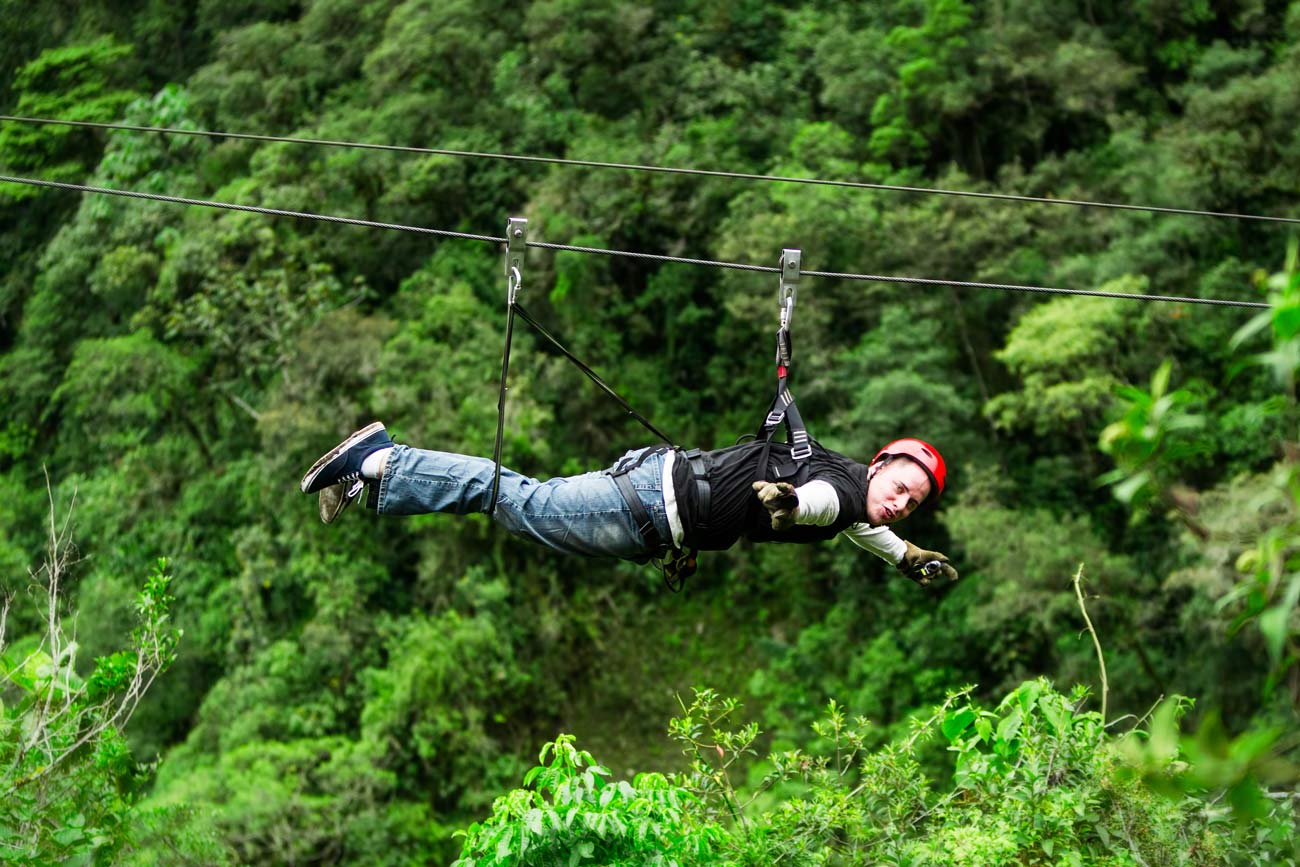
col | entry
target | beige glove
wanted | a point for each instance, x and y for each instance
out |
(923, 566)
(780, 499)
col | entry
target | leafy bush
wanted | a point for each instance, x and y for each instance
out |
(572, 815)
(1035, 780)
(67, 778)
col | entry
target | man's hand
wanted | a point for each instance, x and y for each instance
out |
(923, 566)
(780, 499)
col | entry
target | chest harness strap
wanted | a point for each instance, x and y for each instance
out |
(783, 408)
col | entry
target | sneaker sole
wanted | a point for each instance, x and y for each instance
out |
(332, 503)
(339, 449)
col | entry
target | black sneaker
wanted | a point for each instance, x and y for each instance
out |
(343, 462)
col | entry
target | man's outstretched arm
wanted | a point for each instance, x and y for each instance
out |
(920, 565)
(816, 503)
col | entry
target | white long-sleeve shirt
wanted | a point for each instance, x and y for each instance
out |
(819, 505)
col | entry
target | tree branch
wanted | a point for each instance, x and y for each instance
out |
(1101, 660)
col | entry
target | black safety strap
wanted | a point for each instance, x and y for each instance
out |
(501, 409)
(699, 465)
(783, 410)
(513, 308)
(783, 407)
(676, 564)
(645, 524)
(592, 375)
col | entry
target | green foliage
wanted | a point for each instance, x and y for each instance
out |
(118, 391)
(87, 82)
(1149, 438)
(1268, 590)
(901, 367)
(1282, 320)
(930, 82)
(1037, 780)
(66, 772)
(1148, 441)
(246, 300)
(1019, 604)
(410, 703)
(1069, 355)
(352, 693)
(569, 814)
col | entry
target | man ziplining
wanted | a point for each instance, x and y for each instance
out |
(659, 503)
(656, 501)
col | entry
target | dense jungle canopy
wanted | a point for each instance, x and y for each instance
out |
(354, 694)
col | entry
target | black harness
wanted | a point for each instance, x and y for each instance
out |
(677, 564)
(783, 408)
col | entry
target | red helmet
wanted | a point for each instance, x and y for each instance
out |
(924, 454)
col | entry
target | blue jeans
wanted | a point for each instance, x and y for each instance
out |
(583, 515)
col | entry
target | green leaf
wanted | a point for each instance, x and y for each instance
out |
(1273, 625)
(503, 842)
(1027, 694)
(1257, 324)
(1286, 322)
(1247, 801)
(1010, 726)
(956, 723)
(1055, 714)
(1126, 490)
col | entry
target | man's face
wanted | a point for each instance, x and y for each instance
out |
(895, 491)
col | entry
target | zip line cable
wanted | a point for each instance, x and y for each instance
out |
(656, 257)
(252, 209)
(679, 260)
(1019, 287)
(891, 278)
(748, 176)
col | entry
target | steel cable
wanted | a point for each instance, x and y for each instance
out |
(709, 173)
(252, 209)
(1018, 287)
(656, 257)
(740, 266)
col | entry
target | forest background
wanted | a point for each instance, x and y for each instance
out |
(353, 694)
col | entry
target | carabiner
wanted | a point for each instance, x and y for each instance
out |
(516, 246)
(790, 262)
(513, 282)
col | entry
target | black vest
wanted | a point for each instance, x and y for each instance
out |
(734, 509)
